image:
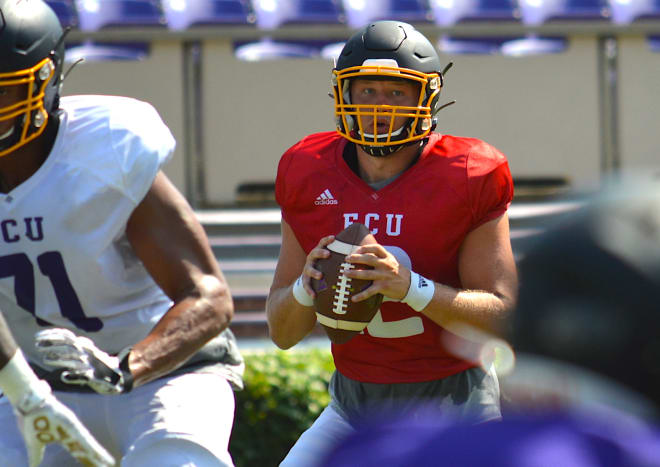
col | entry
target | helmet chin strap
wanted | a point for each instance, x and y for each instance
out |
(382, 151)
(384, 135)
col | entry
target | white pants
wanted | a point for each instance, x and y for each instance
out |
(316, 442)
(183, 420)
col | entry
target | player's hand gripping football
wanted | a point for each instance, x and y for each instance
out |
(389, 276)
(309, 272)
(43, 420)
(83, 363)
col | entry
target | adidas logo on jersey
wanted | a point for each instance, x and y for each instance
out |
(325, 198)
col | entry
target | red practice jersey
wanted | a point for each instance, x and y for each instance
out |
(422, 217)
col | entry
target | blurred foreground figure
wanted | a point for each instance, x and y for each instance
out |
(585, 390)
(591, 301)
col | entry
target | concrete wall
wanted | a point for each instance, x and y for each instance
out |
(639, 103)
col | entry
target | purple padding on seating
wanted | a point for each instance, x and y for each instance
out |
(99, 52)
(492, 10)
(510, 46)
(98, 14)
(451, 13)
(471, 45)
(65, 11)
(652, 12)
(582, 10)
(413, 11)
(654, 43)
(535, 12)
(314, 11)
(534, 46)
(209, 12)
(272, 50)
(624, 12)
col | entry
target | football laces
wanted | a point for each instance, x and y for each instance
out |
(343, 290)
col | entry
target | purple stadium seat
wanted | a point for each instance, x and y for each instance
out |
(274, 13)
(65, 11)
(450, 12)
(654, 43)
(273, 50)
(534, 45)
(534, 12)
(97, 14)
(361, 12)
(99, 52)
(627, 11)
(514, 47)
(411, 11)
(471, 45)
(182, 14)
(315, 11)
(331, 51)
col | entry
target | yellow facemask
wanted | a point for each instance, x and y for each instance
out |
(348, 115)
(31, 109)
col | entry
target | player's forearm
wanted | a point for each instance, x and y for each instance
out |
(183, 330)
(288, 321)
(476, 308)
(17, 378)
(7, 343)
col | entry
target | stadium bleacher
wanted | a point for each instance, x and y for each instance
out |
(97, 14)
(182, 14)
(538, 12)
(360, 12)
(654, 43)
(91, 15)
(629, 11)
(273, 50)
(271, 14)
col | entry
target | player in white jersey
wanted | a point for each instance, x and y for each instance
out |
(105, 262)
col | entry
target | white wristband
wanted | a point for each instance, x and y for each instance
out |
(17, 380)
(301, 295)
(419, 293)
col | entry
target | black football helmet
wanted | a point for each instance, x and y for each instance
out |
(31, 56)
(393, 50)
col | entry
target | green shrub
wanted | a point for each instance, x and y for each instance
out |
(284, 393)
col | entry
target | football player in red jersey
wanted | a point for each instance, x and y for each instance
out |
(437, 206)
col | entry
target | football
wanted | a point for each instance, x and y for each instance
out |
(342, 318)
